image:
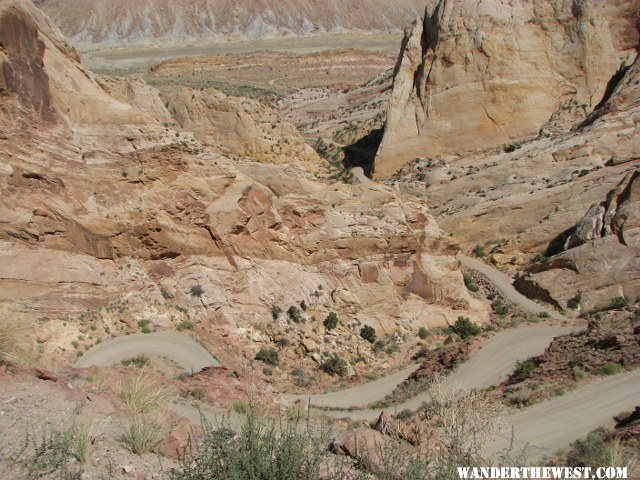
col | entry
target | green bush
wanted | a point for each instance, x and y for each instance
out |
(331, 322)
(138, 361)
(336, 365)
(578, 374)
(294, 314)
(197, 290)
(198, 393)
(619, 302)
(575, 302)
(543, 315)
(499, 307)
(368, 333)
(470, 283)
(465, 328)
(423, 333)
(291, 448)
(269, 356)
(478, 251)
(526, 368)
(601, 447)
(609, 368)
(186, 325)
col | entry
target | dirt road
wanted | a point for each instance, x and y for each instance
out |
(182, 349)
(505, 284)
(488, 367)
(554, 424)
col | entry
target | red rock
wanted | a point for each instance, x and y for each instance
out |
(46, 375)
(175, 444)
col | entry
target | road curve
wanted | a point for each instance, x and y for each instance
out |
(182, 349)
(552, 425)
(493, 362)
(505, 284)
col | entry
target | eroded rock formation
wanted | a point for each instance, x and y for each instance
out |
(473, 75)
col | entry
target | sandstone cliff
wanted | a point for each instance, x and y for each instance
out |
(602, 257)
(239, 127)
(473, 75)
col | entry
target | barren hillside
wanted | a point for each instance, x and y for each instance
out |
(123, 21)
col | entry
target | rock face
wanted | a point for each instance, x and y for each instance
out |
(473, 75)
(104, 208)
(126, 21)
(601, 260)
(238, 126)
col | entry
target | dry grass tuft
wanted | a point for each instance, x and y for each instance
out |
(144, 393)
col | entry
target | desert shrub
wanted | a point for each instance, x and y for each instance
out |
(303, 306)
(331, 322)
(241, 407)
(465, 328)
(185, 325)
(82, 439)
(368, 333)
(139, 361)
(499, 307)
(198, 393)
(526, 368)
(423, 333)
(578, 374)
(619, 302)
(291, 448)
(336, 365)
(144, 393)
(421, 353)
(470, 283)
(196, 290)
(13, 332)
(575, 302)
(609, 368)
(478, 251)
(294, 314)
(267, 371)
(269, 356)
(543, 315)
(276, 312)
(49, 452)
(142, 434)
(601, 447)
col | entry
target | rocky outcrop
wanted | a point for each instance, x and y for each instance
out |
(146, 228)
(45, 90)
(238, 126)
(476, 75)
(601, 260)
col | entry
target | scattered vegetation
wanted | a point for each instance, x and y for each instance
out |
(465, 328)
(575, 302)
(470, 283)
(368, 333)
(144, 393)
(499, 307)
(336, 365)
(197, 290)
(269, 356)
(139, 361)
(331, 322)
(294, 314)
(479, 252)
(12, 337)
(142, 434)
(423, 333)
(185, 325)
(609, 368)
(602, 447)
(525, 368)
